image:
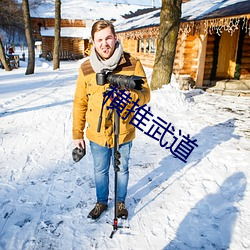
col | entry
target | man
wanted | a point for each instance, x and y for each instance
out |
(107, 54)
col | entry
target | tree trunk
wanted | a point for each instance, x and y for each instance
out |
(3, 57)
(168, 34)
(56, 59)
(28, 33)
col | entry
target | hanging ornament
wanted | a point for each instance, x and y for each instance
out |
(218, 25)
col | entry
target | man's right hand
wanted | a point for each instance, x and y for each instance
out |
(79, 143)
(78, 152)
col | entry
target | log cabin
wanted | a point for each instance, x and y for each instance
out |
(74, 37)
(213, 41)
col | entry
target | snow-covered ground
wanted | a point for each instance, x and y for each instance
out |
(45, 197)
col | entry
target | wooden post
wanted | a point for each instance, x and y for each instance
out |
(201, 60)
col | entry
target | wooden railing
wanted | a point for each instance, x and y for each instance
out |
(64, 55)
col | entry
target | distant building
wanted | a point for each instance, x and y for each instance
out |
(77, 19)
(75, 36)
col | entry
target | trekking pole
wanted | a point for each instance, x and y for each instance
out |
(117, 156)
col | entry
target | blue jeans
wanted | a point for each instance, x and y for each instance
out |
(102, 158)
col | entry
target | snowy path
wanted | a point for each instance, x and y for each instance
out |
(45, 197)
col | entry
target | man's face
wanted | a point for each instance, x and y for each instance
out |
(104, 42)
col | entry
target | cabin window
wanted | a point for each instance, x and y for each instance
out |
(140, 45)
(152, 45)
(146, 45)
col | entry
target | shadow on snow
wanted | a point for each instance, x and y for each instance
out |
(210, 223)
(211, 136)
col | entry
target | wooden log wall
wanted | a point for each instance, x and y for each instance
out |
(185, 59)
(66, 44)
(73, 45)
(178, 61)
(47, 45)
(131, 46)
(190, 56)
(50, 22)
(146, 59)
(79, 46)
(186, 55)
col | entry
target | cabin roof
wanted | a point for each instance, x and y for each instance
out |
(193, 10)
(85, 10)
(77, 32)
(140, 21)
(208, 9)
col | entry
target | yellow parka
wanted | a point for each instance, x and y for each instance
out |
(88, 103)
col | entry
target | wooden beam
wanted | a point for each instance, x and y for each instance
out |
(201, 60)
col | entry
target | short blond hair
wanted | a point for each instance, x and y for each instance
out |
(100, 25)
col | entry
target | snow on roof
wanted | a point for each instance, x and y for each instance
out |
(79, 32)
(145, 20)
(192, 10)
(85, 10)
(197, 9)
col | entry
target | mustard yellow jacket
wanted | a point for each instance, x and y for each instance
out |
(88, 102)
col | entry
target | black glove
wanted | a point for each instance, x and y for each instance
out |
(78, 153)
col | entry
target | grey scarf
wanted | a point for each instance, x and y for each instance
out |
(98, 64)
